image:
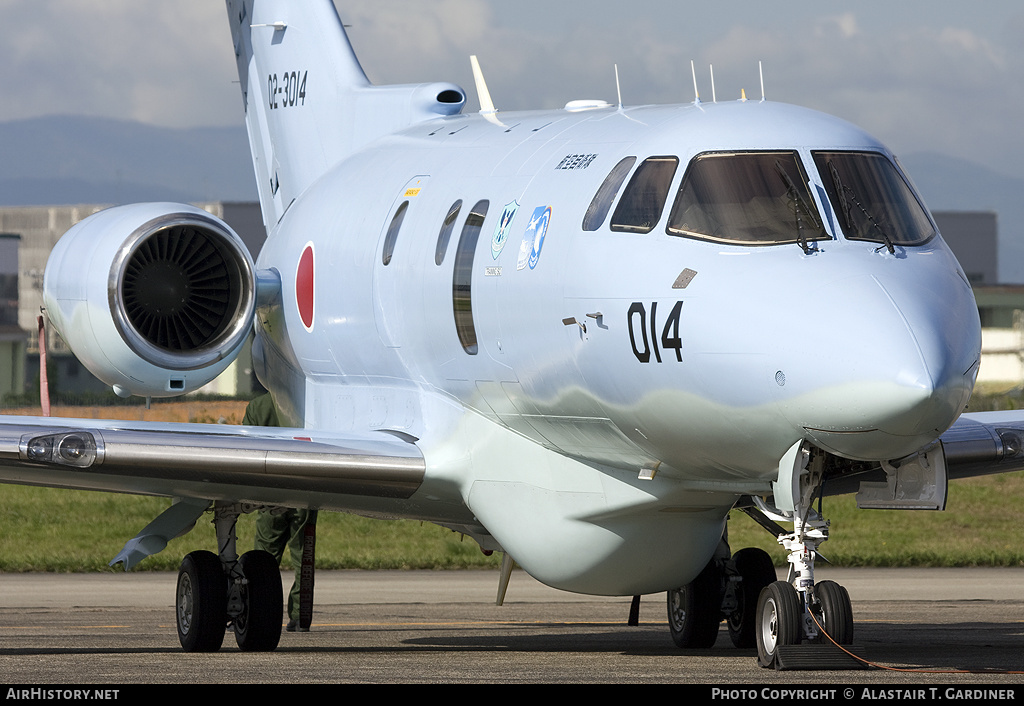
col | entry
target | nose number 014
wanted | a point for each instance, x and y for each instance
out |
(638, 328)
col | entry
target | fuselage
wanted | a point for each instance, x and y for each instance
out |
(641, 342)
(764, 343)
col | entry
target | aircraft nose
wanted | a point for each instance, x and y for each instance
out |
(902, 368)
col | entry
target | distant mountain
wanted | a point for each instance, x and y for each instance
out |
(75, 159)
(58, 191)
(950, 184)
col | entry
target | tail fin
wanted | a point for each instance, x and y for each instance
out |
(308, 103)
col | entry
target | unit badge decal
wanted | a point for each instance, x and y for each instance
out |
(501, 230)
(533, 240)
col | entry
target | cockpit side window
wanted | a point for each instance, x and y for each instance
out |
(602, 203)
(640, 207)
(872, 199)
(746, 198)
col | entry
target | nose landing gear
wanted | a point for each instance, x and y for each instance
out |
(798, 612)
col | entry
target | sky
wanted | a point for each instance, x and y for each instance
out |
(942, 76)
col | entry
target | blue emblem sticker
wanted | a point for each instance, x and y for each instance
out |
(533, 240)
(501, 230)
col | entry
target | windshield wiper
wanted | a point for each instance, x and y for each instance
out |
(841, 191)
(797, 204)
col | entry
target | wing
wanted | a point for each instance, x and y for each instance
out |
(210, 462)
(981, 443)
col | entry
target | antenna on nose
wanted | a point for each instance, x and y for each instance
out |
(696, 93)
(761, 72)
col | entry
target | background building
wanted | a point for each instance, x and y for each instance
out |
(973, 237)
(13, 339)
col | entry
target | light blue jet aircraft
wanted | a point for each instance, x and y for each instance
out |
(580, 336)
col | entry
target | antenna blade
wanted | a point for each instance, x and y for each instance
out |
(618, 88)
(486, 104)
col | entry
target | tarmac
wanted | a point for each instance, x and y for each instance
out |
(936, 627)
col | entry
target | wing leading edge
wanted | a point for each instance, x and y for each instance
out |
(982, 443)
(210, 462)
(977, 444)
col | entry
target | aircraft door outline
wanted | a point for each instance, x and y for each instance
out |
(387, 277)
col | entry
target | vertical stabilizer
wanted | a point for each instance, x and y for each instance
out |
(296, 69)
(308, 103)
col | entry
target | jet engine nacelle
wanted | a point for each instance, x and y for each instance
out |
(155, 299)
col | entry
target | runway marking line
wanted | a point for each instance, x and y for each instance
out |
(67, 627)
(525, 623)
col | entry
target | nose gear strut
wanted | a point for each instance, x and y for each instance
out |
(784, 619)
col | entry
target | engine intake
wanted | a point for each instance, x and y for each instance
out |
(155, 299)
(178, 292)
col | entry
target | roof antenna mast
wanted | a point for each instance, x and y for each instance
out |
(487, 109)
(486, 104)
(696, 94)
(761, 71)
(618, 88)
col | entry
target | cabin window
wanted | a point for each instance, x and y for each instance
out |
(748, 198)
(642, 202)
(872, 199)
(392, 235)
(446, 232)
(602, 203)
(462, 278)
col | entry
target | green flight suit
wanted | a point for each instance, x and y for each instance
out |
(276, 531)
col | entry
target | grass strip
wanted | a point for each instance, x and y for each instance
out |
(43, 529)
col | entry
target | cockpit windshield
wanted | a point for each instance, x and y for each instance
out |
(872, 199)
(748, 198)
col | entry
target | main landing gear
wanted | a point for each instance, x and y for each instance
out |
(215, 592)
(727, 589)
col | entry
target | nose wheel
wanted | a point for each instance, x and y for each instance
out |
(834, 612)
(778, 621)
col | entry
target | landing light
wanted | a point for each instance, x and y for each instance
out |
(77, 449)
(1012, 442)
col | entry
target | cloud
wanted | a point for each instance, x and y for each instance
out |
(924, 88)
(846, 25)
(153, 62)
(916, 80)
